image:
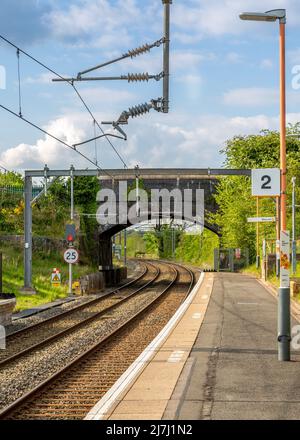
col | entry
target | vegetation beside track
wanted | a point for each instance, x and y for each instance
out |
(43, 265)
(234, 192)
(272, 279)
(49, 217)
(196, 249)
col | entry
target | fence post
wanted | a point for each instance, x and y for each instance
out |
(1, 272)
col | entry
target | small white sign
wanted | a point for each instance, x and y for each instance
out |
(266, 182)
(71, 256)
(278, 249)
(284, 259)
(261, 219)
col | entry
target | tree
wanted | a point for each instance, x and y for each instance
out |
(234, 193)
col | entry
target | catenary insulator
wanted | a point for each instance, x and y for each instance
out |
(139, 50)
(135, 77)
(139, 110)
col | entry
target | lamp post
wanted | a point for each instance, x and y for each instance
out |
(294, 253)
(284, 325)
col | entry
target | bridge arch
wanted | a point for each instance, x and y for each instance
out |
(107, 232)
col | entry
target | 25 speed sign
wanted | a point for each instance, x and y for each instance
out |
(71, 256)
(266, 182)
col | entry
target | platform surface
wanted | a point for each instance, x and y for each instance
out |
(146, 394)
(219, 362)
(232, 371)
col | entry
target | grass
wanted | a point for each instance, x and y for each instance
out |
(42, 268)
(251, 270)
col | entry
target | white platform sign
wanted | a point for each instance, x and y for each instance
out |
(266, 182)
(71, 256)
(261, 219)
(284, 259)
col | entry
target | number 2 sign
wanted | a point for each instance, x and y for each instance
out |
(266, 182)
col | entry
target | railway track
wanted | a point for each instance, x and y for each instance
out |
(71, 391)
(78, 307)
(37, 335)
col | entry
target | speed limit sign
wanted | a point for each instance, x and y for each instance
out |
(71, 256)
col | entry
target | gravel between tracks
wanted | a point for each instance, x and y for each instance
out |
(35, 335)
(30, 370)
(22, 323)
(72, 394)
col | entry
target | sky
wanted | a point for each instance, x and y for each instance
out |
(224, 79)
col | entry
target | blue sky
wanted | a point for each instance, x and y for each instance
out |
(224, 78)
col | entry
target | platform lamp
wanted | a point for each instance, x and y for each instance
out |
(284, 325)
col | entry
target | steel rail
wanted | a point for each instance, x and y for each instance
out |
(190, 272)
(80, 307)
(79, 324)
(106, 339)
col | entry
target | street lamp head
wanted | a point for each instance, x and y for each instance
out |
(275, 14)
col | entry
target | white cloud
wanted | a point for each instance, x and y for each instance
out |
(105, 24)
(190, 79)
(216, 18)
(187, 60)
(294, 56)
(155, 140)
(186, 141)
(251, 97)
(46, 150)
(266, 64)
(100, 23)
(258, 97)
(106, 96)
(234, 57)
(43, 78)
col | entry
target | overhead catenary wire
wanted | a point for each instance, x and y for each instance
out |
(19, 81)
(69, 82)
(95, 140)
(54, 137)
(99, 126)
(97, 137)
(130, 54)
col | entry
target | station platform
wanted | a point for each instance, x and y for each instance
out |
(216, 361)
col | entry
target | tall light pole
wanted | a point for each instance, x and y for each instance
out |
(294, 253)
(284, 325)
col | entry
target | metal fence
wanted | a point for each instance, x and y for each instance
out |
(19, 190)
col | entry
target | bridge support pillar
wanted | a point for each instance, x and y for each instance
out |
(105, 260)
(105, 253)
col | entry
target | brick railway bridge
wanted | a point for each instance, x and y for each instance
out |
(168, 178)
(159, 179)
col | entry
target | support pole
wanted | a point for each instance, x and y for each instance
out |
(28, 234)
(284, 321)
(284, 324)
(72, 218)
(257, 236)
(294, 250)
(46, 169)
(1, 267)
(166, 55)
(137, 190)
(282, 128)
(125, 247)
(278, 237)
